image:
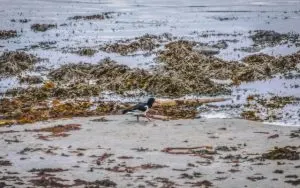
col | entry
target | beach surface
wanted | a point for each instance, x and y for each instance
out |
(118, 151)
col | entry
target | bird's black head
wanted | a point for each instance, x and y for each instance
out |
(150, 102)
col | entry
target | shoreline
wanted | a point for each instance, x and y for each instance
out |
(131, 154)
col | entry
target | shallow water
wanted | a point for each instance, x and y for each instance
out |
(185, 19)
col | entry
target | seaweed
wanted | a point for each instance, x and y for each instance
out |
(293, 182)
(120, 78)
(250, 115)
(14, 62)
(31, 79)
(42, 27)
(102, 16)
(86, 52)
(257, 105)
(281, 153)
(97, 183)
(48, 182)
(146, 42)
(6, 34)
(183, 57)
(272, 38)
(5, 163)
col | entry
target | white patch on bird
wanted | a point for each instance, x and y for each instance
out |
(147, 109)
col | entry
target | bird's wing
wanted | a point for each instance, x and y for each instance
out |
(141, 106)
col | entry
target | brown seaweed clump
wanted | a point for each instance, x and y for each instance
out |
(18, 110)
(50, 90)
(86, 52)
(251, 115)
(146, 42)
(6, 34)
(120, 78)
(282, 153)
(42, 27)
(183, 58)
(13, 63)
(105, 15)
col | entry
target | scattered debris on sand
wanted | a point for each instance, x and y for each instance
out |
(48, 182)
(103, 157)
(46, 45)
(201, 151)
(293, 182)
(42, 27)
(6, 34)
(204, 183)
(5, 163)
(102, 16)
(59, 129)
(14, 62)
(224, 18)
(97, 183)
(146, 42)
(44, 171)
(256, 178)
(129, 169)
(21, 20)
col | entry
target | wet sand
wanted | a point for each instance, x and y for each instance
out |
(135, 154)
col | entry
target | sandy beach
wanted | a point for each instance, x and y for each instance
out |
(118, 151)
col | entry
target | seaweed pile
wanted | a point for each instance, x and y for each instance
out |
(42, 27)
(268, 38)
(6, 34)
(271, 38)
(13, 63)
(20, 111)
(145, 43)
(182, 69)
(288, 152)
(180, 57)
(86, 52)
(120, 78)
(102, 16)
(51, 90)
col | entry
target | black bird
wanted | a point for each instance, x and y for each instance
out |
(143, 107)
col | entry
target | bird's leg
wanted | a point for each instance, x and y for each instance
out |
(147, 116)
